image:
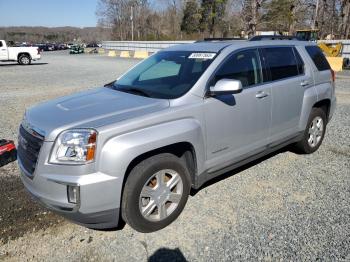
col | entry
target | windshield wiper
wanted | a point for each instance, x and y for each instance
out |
(134, 90)
(111, 84)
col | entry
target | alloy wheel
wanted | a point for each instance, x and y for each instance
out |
(161, 195)
(315, 131)
(25, 60)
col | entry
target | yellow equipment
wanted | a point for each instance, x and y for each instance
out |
(332, 52)
(333, 55)
(336, 63)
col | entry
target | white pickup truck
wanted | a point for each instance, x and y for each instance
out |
(23, 55)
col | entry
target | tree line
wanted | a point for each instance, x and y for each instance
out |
(193, 19)
(54, 34)
(196, 19)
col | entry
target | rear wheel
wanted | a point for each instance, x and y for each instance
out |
(155, 192)
(24, 59)
(314, 133)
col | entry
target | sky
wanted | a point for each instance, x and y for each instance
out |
(49, 13)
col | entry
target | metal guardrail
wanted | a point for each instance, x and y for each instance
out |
(346, 46)
(149, 46)
(154, 46)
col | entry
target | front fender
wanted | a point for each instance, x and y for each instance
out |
(118, 152)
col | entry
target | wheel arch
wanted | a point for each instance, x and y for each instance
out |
(23, 53)
(325, 105)
(184, 150)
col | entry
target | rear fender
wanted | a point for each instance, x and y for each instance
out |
(324, 91)
(310, 98)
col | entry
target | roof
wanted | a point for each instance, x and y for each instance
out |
(201, 46)
(216, 46)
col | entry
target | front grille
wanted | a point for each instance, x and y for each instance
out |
(28, 149)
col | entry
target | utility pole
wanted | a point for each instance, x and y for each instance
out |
(316, 15)
(132, 24)
(332, 24)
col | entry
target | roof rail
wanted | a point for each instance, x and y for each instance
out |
(273, 37)
(220, 39)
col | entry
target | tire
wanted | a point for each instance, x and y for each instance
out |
(2, 161)
(24, 60)
(13, 155)
(308, 145)
(144, 177)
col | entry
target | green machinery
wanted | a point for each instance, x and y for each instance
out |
(76, 49)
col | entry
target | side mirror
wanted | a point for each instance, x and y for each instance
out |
(226, 87)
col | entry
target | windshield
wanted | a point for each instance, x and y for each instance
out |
(166, 75)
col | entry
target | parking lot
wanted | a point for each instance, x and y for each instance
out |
(283, 207)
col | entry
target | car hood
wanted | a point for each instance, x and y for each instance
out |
(89, 109)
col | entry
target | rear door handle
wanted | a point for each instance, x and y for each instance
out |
(304, 83)
(261, 94)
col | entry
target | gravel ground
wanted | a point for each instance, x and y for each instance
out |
(283, 207)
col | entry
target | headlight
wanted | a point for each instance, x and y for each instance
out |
(76, 146)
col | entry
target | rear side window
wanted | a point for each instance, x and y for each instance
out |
(318, 57)
(282, 62)
(243, 66)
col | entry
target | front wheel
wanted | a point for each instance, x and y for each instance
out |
(155, 192)
(24, 60)
(314, 133)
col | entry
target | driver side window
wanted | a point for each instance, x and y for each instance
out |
(243, 66)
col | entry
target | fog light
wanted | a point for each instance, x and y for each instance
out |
(73, 194)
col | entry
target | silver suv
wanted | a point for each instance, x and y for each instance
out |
(132, 150)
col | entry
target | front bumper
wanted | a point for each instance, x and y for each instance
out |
(98, 205)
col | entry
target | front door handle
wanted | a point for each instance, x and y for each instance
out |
(260, 95)
(304, 83)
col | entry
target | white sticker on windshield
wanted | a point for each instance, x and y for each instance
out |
(202, 55)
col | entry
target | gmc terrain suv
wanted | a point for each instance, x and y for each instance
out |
(132, 150)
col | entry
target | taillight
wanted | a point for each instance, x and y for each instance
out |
(333, 75)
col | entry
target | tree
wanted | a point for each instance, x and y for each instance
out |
(191, 17)
(116, 14)
(250, 15)
(168, 19)
(173, 15)
(212, 15)
(344, 26)
(280, 15)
